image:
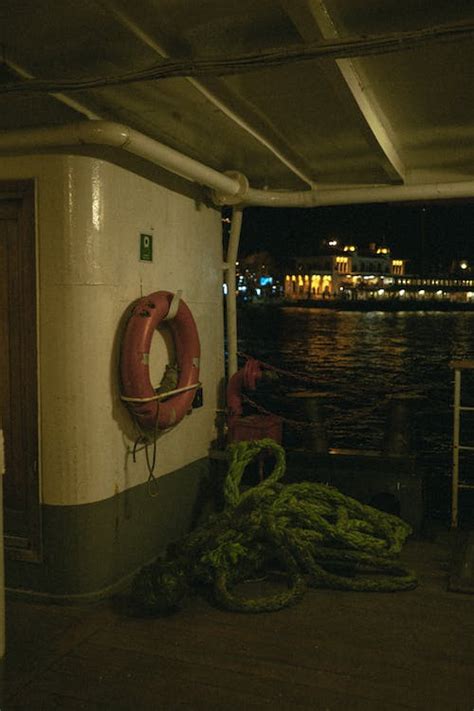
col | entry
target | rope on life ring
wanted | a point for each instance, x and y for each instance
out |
(151, 410)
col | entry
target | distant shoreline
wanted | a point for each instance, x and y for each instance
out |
(388, 305)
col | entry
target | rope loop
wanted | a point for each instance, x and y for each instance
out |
(310, 533)
(241, 454)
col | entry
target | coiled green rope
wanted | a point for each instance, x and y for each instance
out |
(311, 532)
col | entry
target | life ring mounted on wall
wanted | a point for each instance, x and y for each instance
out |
(148, 408)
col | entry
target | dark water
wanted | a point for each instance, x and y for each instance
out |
(360, 358)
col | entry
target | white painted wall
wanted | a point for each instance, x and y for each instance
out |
(89, 217)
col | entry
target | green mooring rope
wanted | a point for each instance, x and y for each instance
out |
(311, 532)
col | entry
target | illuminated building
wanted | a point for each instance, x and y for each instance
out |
(348, 273)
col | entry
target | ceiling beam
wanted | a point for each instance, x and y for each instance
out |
(240, 112)
(59, 96)
(314, 22)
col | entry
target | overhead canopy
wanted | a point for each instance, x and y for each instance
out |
(357, 92)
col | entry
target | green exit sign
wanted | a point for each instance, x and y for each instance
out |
(146, 248)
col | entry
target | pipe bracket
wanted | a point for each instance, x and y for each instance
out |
(242, 184)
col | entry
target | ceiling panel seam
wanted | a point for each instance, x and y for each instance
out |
(312, 19)
(126, 21)
(59, 96)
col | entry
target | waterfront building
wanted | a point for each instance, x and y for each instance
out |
(350, 273)
(257, 278)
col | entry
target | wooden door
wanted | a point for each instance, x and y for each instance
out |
(18, 369)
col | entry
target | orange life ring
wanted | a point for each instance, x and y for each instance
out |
(137, 390)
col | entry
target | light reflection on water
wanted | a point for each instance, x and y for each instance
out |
(360, 358)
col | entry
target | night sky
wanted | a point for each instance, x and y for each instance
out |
(431, 236)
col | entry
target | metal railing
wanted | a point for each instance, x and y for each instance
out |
(456, 484)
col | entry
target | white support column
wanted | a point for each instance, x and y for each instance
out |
(231, 301)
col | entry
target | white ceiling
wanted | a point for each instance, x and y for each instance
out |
(400, 117)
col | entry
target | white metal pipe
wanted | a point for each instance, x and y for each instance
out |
(229, 188)
(109, 133)
(231, 301)
(365, 194)
(35, 140)
(140, 145)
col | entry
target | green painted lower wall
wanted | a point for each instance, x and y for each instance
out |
(91, 549)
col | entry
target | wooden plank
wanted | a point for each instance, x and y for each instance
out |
(335, 650)
(39, 701)
(343, 649)
(99, 674)
(38, 634)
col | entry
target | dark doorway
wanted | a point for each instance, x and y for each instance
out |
(18, 369)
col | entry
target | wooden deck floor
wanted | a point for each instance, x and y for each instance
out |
(335, 650)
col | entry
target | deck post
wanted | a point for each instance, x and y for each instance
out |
(398, 439)
(311, 407)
